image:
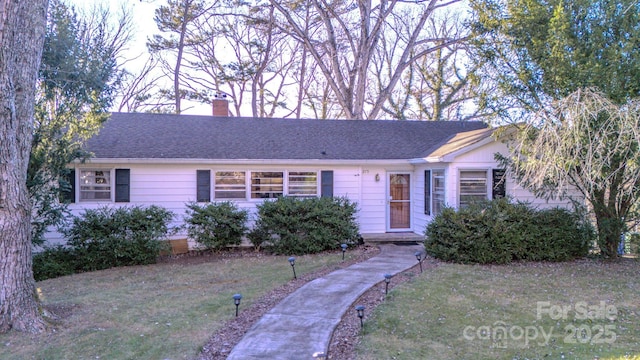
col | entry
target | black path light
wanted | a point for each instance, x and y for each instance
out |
(292, 261)
(360, 311)
(344, 249)
(387, 280)
(236, 300)
(418, 255)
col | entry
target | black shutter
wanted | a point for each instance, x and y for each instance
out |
(68, 187)
(499, 183)
(122, 185)
(326, 183)
(427, 192)
(203, 186)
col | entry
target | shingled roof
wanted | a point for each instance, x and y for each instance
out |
(167, 136)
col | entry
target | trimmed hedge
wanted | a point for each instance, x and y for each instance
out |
(53, 262)
(500, 232)
(291, 225)
(216, 225)
(107, 237)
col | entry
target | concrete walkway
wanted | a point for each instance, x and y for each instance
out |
(302, 323)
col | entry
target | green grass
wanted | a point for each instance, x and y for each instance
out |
(169, 311)
(162, 311)
(456, 312)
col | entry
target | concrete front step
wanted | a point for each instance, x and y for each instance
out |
(393, 238)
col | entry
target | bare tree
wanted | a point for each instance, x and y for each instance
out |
(440, 85)
(22, 29)
(345, 37)
(138, 91)
(242, 54)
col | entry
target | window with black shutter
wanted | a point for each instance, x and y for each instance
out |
(122, 185)
(203, 186)
(427, 192)
(68, 187)
(499, 183)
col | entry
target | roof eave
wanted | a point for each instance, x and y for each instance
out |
(164, 161)
(427, 160)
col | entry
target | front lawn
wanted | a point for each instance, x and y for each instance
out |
(577, 310)
(161, 311)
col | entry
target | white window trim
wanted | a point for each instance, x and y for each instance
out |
(288, 174)
(486, 177)
(247, 185)
(250, 178)
(79, 191)
(444, 193)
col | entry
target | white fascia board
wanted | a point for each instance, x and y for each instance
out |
(426, 160)
(156, 161)
(451, 157)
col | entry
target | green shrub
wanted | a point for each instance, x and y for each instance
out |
(108, 237)
(216, 225)
(499, 232)
(303, 226)
(53, 262)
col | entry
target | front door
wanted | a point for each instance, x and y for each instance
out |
(399, 202)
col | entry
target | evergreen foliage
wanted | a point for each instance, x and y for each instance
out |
(216, 225)
(501, 232)
(304, 226)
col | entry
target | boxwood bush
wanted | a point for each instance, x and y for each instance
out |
(107, 237)
(500, 232)
(53, 261)
(216, 225)
(291, 225)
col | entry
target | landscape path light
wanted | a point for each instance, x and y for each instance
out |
(387, 280)
(292, 261)
(418, 255)
(236, 300)
(360, 311)
(344, 249)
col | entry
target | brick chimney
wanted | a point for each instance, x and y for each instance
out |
(220, 105)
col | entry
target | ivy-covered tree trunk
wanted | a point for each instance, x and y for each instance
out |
(22, 29)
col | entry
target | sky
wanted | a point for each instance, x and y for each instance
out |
(143, 11)
(145, 27)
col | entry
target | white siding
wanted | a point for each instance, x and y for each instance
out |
(173, 186)
(372, 214)
(478, 159)
(483, 158)
(420, 219)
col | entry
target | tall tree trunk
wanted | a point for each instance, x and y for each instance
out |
(22, 29)
(181, 45)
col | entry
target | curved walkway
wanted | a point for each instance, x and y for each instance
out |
(302, 323)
